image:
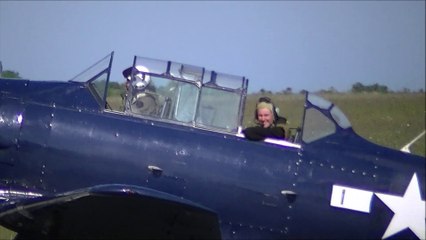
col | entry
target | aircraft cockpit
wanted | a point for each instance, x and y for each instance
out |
(189, 95)
(185, 94)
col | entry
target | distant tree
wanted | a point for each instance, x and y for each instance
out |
(262, 91)
(382, 89)
(303, 91)
(10, 74)
(288, 90)
(359, 87)
(115, 85)
(115, 88)
(332, 90)
(406, 90)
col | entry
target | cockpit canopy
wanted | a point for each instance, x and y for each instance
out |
(185, 94)
(174, 92)
(193, 96)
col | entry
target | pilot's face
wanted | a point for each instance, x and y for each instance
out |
(264, 116)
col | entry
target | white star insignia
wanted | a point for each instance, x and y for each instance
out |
(409, 210)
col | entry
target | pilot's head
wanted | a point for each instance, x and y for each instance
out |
(141, 78)
(263, 104)
(265, 114)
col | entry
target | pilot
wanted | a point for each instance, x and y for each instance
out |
(268, 123)
(143, 99)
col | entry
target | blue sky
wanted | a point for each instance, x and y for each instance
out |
(309, 45)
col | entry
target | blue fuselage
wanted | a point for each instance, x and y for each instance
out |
(54, 138)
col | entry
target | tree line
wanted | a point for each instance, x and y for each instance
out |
(9, 74)
(356, 88)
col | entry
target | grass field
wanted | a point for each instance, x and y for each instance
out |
(391, 120)
(6, 234)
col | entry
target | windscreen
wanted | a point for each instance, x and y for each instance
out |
(97, 78)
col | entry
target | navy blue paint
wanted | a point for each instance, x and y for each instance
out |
(66, 142)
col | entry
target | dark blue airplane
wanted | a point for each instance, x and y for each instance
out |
(175, 165)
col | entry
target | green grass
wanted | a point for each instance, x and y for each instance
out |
(6, 234)
(391, 120)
